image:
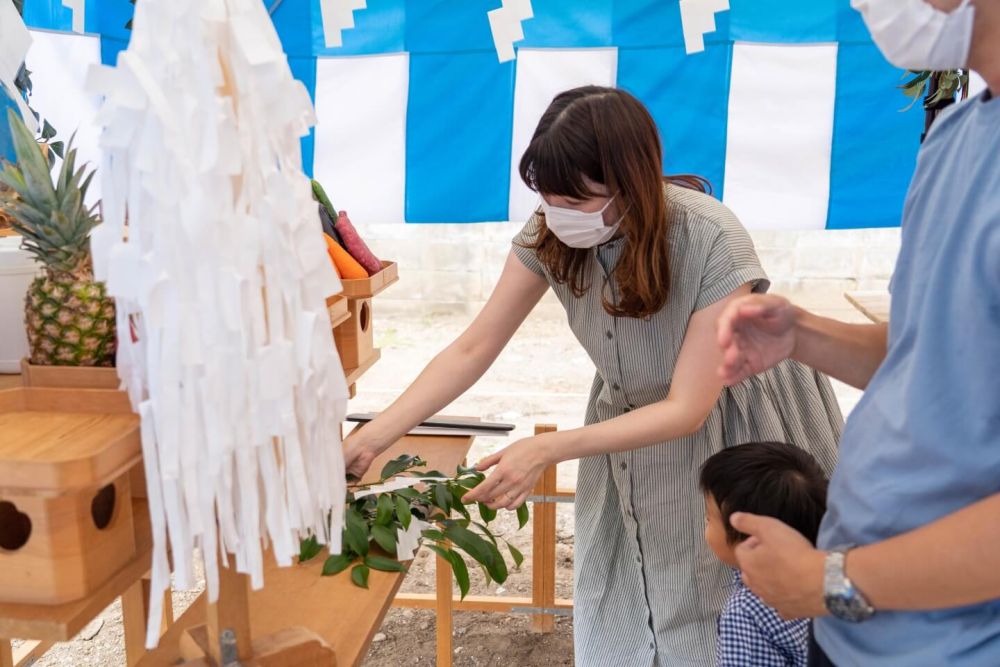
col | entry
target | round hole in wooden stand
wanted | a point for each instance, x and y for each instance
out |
(102, 507)
(365, 316)
(15, 527)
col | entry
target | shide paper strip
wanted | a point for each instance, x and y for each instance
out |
(505, 25)
(697, 19)
(78, 7)
(14, 42)
(337, 16)
(211, 248)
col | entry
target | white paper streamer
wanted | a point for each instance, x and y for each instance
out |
(337, 16)
(78, 7)
(215, 268)
(697, 19)
(505, 24)
(14, 42)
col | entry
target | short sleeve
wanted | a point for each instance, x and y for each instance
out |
(743, 642)
(521, 245)
(731, 261)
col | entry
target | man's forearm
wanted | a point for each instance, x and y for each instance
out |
(952, 562)
(850, 353)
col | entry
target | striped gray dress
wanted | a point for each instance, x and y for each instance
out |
(647, 589)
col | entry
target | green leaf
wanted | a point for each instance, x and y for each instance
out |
(456, 498)
(57, 148)
(480, 550)
(461, 571)
(442, 497)
(522, 516)
(487, 513)
(48, 131)
(434, 473)
(432, 534)
(515, 554)
(385, 537)
(409, 494)
(486, 532)
(385, 510)
(384, 564)
(337, 564)
(469, 482)
(399, 464)
(309, 548)
(403, 512)
(359, 575)
(356, 532)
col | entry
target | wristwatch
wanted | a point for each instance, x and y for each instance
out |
(842, 598)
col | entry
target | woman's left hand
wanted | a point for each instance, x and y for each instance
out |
(518, 467)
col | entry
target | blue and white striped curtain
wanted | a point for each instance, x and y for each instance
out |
(790, 112)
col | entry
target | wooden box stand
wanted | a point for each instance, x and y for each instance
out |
(66, 523)
(355, 335)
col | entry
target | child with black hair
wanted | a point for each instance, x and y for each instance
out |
(768, 479)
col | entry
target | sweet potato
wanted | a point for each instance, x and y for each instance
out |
(355, 245)
(346, 265)
(327, 221)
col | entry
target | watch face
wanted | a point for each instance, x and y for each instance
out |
(848, 608)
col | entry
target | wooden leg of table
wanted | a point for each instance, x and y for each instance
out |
(543, 547)
(28, 653)
(231, 612)
(134, 611)
(442, 575)
(6, 654)
(167, 618)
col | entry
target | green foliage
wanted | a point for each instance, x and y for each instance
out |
(378, 518)
(946, 85)
(50, 215)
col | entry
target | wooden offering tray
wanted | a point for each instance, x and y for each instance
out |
(66, 523)
(366, 288)
(54, 441)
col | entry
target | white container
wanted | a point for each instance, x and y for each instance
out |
(17, 270)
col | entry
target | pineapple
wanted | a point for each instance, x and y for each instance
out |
(69, 317)
(5, 218)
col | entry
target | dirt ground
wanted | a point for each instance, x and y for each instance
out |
(542, 377)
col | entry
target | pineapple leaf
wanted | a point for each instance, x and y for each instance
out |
(30, 159)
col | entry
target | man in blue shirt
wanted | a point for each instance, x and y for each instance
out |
(908, 569)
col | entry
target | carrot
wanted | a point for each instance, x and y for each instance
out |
(346, 265)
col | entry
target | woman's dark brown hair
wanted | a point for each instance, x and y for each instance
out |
(607, 136)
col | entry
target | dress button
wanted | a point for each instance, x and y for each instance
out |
(623, 465)
(628, 409)
(652, 645)
(608, 334)
(616, 387)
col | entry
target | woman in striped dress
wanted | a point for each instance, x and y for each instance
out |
(643, 267)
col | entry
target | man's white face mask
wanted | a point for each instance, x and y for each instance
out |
(914, 35)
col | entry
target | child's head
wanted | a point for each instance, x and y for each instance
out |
(765, 478)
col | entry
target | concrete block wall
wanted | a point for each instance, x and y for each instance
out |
(454, 267)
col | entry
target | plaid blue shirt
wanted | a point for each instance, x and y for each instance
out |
(751, 634)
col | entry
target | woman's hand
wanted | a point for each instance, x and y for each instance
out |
(755, 333)
(518, 468)
(358, 454)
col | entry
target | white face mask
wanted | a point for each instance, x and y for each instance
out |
(576, 228)
(914, 35)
